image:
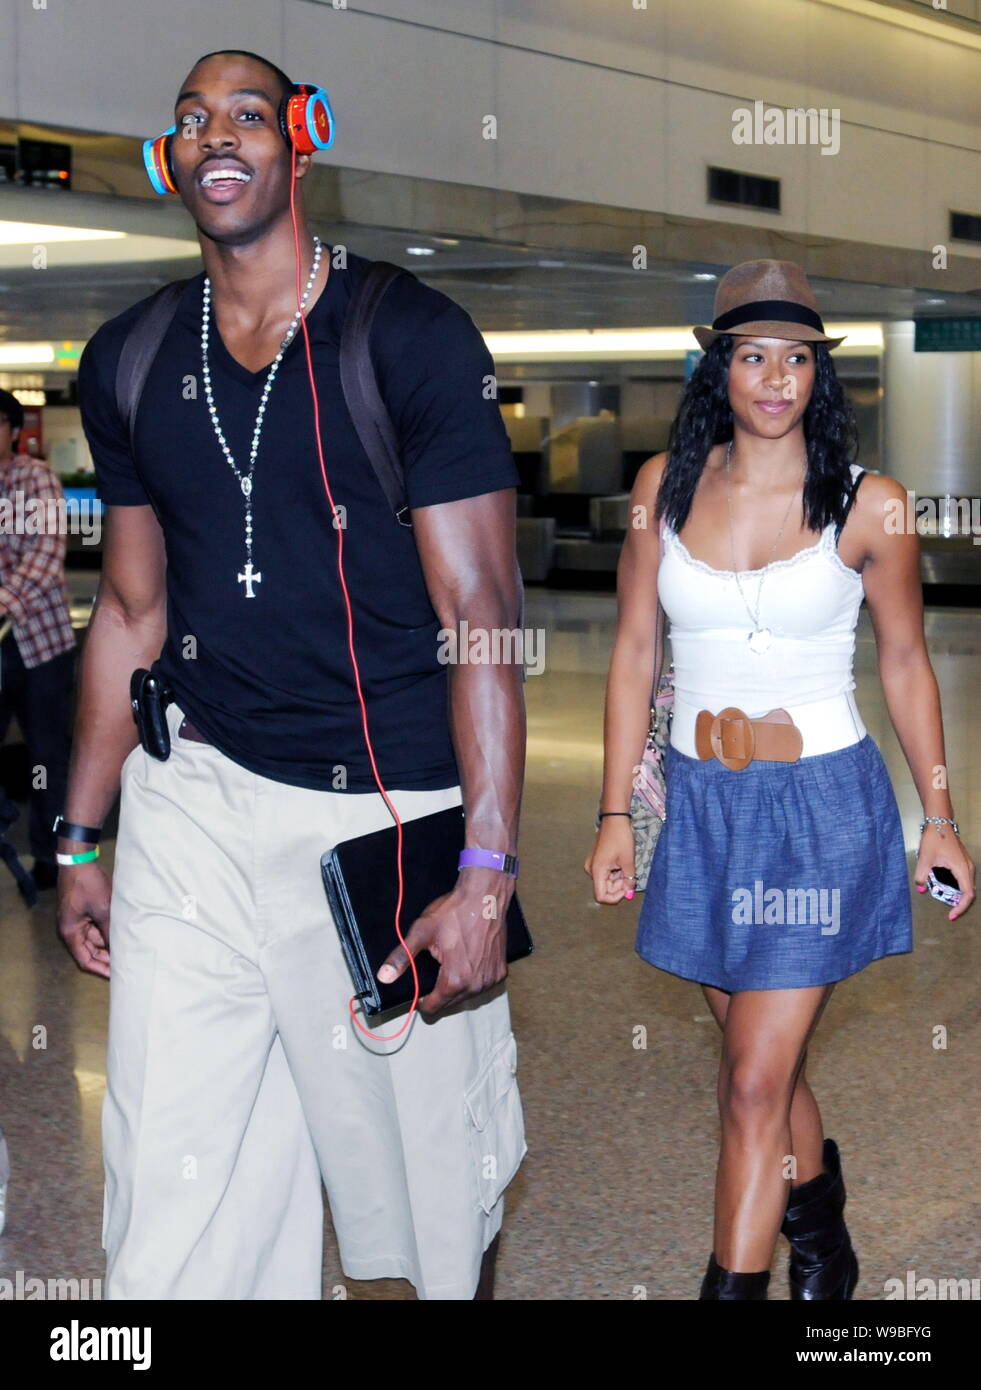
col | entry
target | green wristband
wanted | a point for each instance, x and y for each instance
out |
(85, 858)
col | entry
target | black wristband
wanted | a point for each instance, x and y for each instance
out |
(69, 830)
(613, 813)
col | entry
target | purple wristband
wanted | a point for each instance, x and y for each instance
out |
(488, 859)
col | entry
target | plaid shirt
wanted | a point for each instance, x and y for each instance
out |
(32, 566)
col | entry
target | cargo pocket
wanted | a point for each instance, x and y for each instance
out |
(495, 1123)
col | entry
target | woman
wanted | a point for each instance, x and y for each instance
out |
(781, 867)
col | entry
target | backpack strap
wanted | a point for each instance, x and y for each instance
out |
(141, 347)
(367, 408)
(360, 386)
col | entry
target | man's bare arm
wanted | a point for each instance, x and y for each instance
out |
(126, 630)
(467, 554)
(468, 559)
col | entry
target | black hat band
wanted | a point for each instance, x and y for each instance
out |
(769, 310)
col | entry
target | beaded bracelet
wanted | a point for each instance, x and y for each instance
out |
(939, 820)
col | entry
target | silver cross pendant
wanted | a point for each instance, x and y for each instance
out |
(249, 578)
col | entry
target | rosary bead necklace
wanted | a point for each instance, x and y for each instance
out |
(250, 576)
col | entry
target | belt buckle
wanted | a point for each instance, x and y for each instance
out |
(732, 738)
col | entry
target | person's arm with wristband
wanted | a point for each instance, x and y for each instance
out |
(126, 630)
(461, 486)
(633, 663)
(467, 554)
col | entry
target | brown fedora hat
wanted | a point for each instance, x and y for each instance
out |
(766, 299)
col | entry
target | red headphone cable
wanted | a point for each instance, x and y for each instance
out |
(350, 633)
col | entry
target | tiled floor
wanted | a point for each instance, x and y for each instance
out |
(614, 1198)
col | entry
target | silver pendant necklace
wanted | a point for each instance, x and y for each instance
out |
(250, 576)
(761, 638)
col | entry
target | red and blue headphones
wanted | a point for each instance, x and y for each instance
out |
(305, 119)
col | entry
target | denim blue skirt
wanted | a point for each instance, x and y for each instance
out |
(780, 876)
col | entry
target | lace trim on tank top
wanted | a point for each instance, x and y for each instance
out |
(826, 544)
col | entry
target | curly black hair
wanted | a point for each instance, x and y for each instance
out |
(704, 419)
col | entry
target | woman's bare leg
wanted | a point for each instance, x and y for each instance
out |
(806, 1129)
(764, 1041)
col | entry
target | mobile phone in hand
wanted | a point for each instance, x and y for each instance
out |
(943, 886)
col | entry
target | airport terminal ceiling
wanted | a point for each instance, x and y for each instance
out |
(546, 264)
(521, 264)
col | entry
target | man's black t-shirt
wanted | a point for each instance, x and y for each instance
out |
(269, 679)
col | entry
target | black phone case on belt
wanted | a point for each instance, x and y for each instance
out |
(149, 704)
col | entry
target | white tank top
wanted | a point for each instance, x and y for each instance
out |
(809, 602)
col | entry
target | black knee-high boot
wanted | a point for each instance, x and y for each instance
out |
(823, 1264)
(726, 1284)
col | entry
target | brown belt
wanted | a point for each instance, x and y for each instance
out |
(735, 739)
(188, 730)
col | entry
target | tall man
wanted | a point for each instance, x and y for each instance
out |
(235, 1080)
(37, 654)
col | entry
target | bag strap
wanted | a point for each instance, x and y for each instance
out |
(659, 623)
(849, 499)
(360, 386)
(141, 347)
(366, 406)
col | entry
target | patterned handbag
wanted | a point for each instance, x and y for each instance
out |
(648, 799)
(647, 803)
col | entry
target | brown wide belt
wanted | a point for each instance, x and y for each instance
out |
(188, 730)
(735, 739)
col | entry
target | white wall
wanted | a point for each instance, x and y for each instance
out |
(595, 100)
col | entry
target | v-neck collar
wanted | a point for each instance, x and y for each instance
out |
(231, 366)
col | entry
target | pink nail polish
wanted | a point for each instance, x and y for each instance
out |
(629, 893)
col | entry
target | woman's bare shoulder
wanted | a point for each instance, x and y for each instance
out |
(648, 479)
(878, 490)
(879, 502)
(877, 519)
